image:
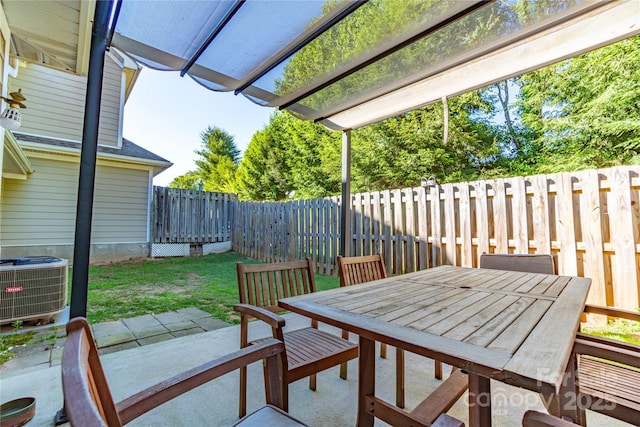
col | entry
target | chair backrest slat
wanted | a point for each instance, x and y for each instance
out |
(527, 263)
(263, 285)
(361, 269)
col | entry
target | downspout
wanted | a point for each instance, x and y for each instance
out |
(84, 209)
(345, 201)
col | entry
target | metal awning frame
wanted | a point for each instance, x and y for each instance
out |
(597, 24)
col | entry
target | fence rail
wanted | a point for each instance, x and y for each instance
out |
(591, 219)
(190, 216)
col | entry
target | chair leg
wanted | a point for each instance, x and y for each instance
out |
(437, 369)
(343, 366)
(399, 378)
(312, 382)
(383, 350)
(242, 410)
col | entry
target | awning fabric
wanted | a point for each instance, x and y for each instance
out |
(350, 63)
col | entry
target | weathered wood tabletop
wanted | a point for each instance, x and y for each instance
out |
(513, 327)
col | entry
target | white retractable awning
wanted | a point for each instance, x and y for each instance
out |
(350, 63)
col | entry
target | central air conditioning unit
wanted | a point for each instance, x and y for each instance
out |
(32, 288)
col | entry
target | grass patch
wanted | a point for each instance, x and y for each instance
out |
(9, 342)
(134, 288)
(620, 330)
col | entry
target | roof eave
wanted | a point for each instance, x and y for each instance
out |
(13, 152)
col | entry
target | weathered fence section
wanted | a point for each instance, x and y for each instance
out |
(190, 216)
(591, 219)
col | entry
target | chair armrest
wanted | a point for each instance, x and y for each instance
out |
(275, 321)
(616, 351)
(613, 312)
(156, 395)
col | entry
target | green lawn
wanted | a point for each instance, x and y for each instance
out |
(134, 288)
(620, 330)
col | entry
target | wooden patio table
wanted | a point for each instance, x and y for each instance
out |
(513, 327)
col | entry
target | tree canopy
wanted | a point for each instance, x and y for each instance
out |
(216, 166)
(581, 113)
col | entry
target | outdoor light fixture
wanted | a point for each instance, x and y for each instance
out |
(428, 182)
(11, 117)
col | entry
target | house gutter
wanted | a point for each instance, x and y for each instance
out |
(84, 209)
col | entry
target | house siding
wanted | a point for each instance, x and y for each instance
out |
(55, 102)
(39, 213)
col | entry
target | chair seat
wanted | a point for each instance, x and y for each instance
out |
(311, 350)
(269, 416)
(611, 382)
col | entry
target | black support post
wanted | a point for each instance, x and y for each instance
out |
(84, 208)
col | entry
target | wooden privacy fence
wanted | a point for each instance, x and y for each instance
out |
(190, 216)
(591, 219)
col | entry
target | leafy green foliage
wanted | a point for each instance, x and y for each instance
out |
(8, 344)
(290, 155)
(585, 112)
(397, 152)
(216, 167)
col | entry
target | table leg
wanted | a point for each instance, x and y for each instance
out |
(366, 380)
(479, 401)
(567, 404)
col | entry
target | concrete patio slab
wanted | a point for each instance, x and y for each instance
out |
(215, 403)
(155, 339)
(180, 326)
(109, 329)
(187, 332)
(193, 313)
(150, 331)
(170, 317)
(146, 321)
(118, 347)
(210, 323)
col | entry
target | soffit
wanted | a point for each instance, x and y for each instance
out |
(56, 33)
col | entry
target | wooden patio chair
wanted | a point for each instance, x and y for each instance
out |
(308, 350)
(362, 269)
(88, 401)
(607, 371)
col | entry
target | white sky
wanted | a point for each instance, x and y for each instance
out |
(166, 113)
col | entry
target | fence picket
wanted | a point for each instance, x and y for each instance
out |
(482, 217)
(423, 230)
(464, 208)
(388, 224)
(622, 236)
(449, 214)
(500, 225)
(567, 257)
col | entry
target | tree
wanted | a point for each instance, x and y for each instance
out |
(217, 165)
(585, 112)
(263, 172)
(399, 151)
(290, 155)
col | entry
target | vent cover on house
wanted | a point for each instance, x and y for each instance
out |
(32, 288)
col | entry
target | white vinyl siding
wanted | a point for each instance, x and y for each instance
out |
(55, 102)
(42, 209)
(112, 98)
